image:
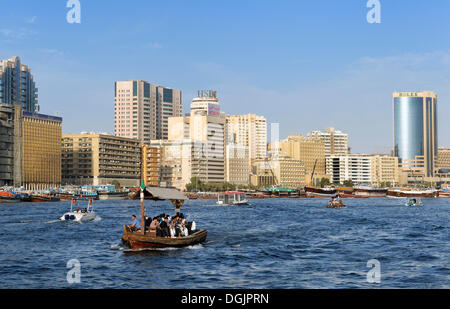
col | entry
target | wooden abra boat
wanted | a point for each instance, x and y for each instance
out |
(139, 241)
(146, 239)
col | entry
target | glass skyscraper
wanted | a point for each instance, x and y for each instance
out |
(415, 130)
(17, 85)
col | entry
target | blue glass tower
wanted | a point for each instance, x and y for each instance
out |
(415, 130)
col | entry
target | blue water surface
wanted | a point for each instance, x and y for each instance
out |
(272, 243)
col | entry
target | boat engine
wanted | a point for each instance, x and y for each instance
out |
(67, 217)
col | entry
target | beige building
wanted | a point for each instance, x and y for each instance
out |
(97, 159)
(250, 131)
(142, 110)
(444, 159)
(40, 150)
(309, 150)
(151, 165)
(204, 131)
(286, 172)
(237, 169)
(385, 170)
(335, 142)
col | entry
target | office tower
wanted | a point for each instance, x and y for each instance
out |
(250, 131)
(99, 159)
(142, 110)
(40, 150)
(335, 142)
(204, 127)
(7, 144)
(17, 85)
(415, 133)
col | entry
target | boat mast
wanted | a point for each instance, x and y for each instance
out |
(142, 208)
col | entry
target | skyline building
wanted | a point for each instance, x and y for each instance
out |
(17, 85)
(415, 132)
(335, 141)
(99, 159)
(142, 110)
(248, 130)
(6, 144)
(203, 131)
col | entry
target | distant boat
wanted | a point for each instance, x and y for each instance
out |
(414, 202)
(44, 197)
(232, 198)
(327, 192)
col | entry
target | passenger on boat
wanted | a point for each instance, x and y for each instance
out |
(135, 225)
(163, 230)
(148, 221)
(78, 210)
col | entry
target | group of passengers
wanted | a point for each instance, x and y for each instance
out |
(83, 210)
(165, 226)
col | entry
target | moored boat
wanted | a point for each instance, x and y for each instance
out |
(327, 192)
(370, 191)
(405, 193)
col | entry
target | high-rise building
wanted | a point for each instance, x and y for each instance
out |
(415, 132)
(250, 131)
(204, 128)
(142, 110)
(40, 150)
(99, 159)
(17, 85)
(335, 142)
(6, 144)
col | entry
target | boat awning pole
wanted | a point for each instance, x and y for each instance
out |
(142, 208)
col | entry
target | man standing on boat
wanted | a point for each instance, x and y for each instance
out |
(135, 225)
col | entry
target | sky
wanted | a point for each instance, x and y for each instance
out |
(305, 64)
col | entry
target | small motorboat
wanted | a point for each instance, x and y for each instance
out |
(79, 215)
(336, 203)
(414, 202)
(232, 198)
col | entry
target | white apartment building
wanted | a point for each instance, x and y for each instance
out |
(142, 110)
(357, 168)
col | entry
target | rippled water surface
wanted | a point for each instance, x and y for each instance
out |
(273, 243)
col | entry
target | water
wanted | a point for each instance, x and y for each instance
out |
(273, 243)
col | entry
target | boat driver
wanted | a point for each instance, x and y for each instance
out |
(135, 224)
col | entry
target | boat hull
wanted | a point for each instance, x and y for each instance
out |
(320, 193)
(403, 194)
(78, 217)
(139, 241)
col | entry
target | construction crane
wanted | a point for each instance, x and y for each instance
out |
(312, 174)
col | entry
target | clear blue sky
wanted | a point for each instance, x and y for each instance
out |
(304, 64)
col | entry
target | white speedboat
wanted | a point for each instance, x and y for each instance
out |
(79, 215)
(414, 202)
(231, 198)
